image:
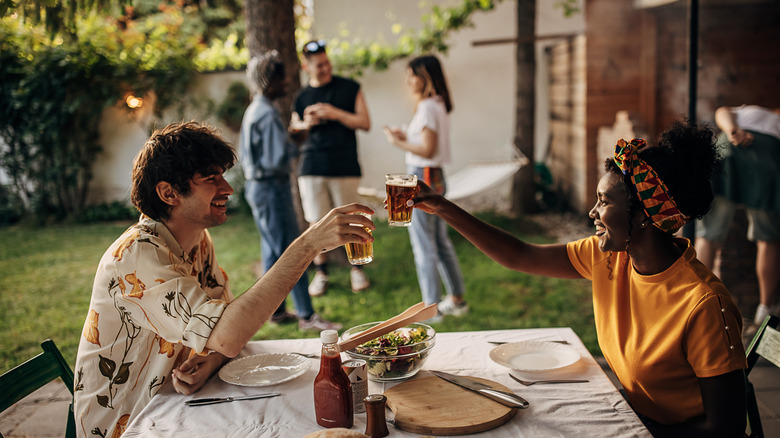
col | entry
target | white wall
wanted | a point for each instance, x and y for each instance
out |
(123, 135)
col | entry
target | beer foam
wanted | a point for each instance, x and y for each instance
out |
(402, 183)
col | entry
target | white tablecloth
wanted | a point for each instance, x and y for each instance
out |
(593, 409)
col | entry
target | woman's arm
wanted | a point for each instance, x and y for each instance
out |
(502, 247)
(430, 142)
(724, 410)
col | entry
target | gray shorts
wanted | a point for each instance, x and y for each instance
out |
(762, 225)
(320, 194)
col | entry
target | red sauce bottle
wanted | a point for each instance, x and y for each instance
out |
(332, 388)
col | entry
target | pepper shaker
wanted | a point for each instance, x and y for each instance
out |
(376, 427)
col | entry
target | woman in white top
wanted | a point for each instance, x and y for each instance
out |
(427, 146)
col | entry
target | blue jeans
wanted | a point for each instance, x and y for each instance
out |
(274, 214)
(434, 254)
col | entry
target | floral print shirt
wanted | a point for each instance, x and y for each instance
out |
(152, 307)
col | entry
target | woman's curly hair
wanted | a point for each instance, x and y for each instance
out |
(685, 159)
(175, 154)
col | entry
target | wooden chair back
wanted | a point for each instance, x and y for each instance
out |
(766, 344)
(33, 374)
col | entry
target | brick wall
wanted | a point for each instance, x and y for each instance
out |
(567, 120)
(635, 60)
(738, 266)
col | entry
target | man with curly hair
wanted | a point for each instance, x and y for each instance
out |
(161, 308)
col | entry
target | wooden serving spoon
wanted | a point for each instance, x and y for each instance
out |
(418, 312)
(403, 315)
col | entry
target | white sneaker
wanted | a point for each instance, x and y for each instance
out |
(316, 322)
(358, 279)
(318, 285)
(448, 307)
(434, 320)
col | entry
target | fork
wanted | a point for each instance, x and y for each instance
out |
(532, 382)
(308, 355)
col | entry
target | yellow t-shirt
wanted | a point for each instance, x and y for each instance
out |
(660, 333)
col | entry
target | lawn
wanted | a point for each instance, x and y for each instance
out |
(46, 279)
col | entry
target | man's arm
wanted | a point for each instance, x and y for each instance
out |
(360, 119)
(275, 138)
(195, 372)
(243, 317)
(502, 247)
(727, 122)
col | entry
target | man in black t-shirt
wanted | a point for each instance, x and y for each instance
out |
(331, 108)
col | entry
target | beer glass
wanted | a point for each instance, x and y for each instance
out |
(400, 188)
(360, 253)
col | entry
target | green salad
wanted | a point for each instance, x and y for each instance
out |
(401, 342)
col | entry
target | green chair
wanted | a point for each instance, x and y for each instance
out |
(765, 344)
(26, 378)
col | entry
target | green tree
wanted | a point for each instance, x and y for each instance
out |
(54, 90)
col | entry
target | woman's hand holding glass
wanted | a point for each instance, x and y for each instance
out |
(427, 199)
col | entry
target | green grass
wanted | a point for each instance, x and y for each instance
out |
(46, 279)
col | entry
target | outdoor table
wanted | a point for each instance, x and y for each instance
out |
(592, 409)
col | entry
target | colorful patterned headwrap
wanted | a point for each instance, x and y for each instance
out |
(651, 190)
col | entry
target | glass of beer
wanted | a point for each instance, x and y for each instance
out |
(401, 187)
(360, 253)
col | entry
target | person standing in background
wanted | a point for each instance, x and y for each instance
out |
(750, 144)
(331, 108)
(265, 152)
(427, 146)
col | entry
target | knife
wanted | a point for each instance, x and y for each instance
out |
(541, 340)
(211, 401)
(505, 398)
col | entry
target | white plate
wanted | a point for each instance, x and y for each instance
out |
(534, 355)
(264, 369)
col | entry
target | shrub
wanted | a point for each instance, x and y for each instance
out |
(111, 211)
(10, 207)
(54, 91)
(231, 110)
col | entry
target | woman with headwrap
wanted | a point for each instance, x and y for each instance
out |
(666, 325)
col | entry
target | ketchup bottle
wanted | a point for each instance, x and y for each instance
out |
(332, 388)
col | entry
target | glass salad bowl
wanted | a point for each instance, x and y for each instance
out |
(397, 355)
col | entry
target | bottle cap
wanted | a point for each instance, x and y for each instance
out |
(329, 336)
(375, 398)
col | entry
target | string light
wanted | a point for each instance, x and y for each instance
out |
(134, 102)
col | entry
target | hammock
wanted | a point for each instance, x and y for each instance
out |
(479, 177)
(472, 180)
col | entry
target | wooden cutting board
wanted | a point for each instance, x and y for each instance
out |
(432, 406)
